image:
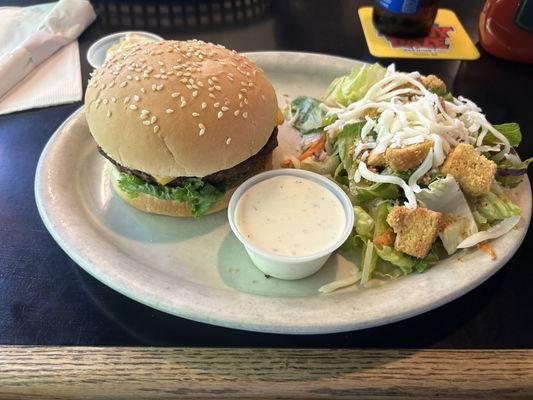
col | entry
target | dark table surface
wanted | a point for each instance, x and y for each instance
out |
(45, 298)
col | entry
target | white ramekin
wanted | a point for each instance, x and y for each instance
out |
(291, 267)
(98, 50)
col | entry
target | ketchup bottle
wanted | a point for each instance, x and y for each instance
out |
(506, 29)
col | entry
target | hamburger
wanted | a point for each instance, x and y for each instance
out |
(182, 124)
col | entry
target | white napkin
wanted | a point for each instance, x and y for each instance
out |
(38, 44)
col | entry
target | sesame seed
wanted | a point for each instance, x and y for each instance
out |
(188, 86)
(123, 84)
(243, 83)
(240, 96)
(216, 105)
(211, 89)
(175, 94)
(218, 88)
(164, 77)
(169, 110)
(236, 113)
(214, 78)
(160, 87)
(156, 128)
(108, 113)
(111, 84)
(146, 122)
(157, 76)
(126, 99)
(105, 101)
(201, 126)
(224, 108)
(250, 84)
(195, 114)
(195, 93)
(241, 104)
(230, 78)
(210, 81)
(187, 74)
(143, 111)
(114, 99)
(154, 87)
(228, 140)
(245, 115)
(129, 77)
(212, 96)
(179, 73)
(220, 114)
(153, 119)
(201, 132)
(161, 63)
(136, 98)
(200, 83)
(204, 105)
(133, 107)
(191, 81)
(137, 78)
(143, 90)
(184, 80)
(183, 103)
(244, 90)
(245, 101)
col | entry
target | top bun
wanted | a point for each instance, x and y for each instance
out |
(180, 108)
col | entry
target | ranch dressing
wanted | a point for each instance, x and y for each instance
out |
(290, 216)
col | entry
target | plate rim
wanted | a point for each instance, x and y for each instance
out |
(233, 322)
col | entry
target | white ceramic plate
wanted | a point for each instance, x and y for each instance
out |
(197, 269)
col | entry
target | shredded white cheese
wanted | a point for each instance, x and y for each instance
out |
(407, 114)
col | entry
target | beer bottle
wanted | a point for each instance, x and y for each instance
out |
(404, 18)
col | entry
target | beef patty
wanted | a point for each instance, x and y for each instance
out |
(241, 170)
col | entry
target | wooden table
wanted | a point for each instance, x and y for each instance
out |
(172, 373)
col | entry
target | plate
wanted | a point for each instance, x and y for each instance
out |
(197, 269)
(97, 52)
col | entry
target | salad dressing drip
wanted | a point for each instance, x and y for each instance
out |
(290, 216)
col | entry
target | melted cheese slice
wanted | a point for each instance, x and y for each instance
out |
(163, 180)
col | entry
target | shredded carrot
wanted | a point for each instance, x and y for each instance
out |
(484, 246)
(386, 237)
(316, 147)
(287, 163)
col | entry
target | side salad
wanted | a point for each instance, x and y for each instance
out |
(426, 172)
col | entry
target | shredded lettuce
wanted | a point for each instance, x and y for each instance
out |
(445, 196)
(511, 130)
(322, 167)
(493, 232)
(198, 195)
(307, 116)
(363, 222)
(491, 207)
(349, 88)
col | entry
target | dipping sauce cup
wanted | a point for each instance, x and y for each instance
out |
(290, 221)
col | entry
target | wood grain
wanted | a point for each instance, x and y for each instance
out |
(170, 373)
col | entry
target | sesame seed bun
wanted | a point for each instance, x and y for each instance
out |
(180, 108)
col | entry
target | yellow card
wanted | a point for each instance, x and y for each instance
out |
(447, 39)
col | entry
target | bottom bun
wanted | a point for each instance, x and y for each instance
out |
(155, 205)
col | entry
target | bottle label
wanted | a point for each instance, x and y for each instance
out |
(524, 15)
(400, 6)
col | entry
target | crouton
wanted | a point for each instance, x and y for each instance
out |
(376, 160)
(402, 159)
(416, 229)
(433, 83)
(472, 171)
